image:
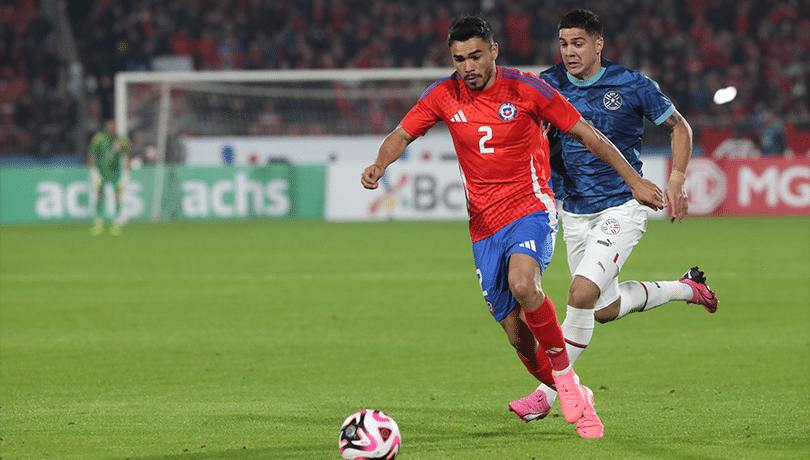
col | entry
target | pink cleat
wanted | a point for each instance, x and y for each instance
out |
(589, 426)
(532, 407)
(572, 400)
(701, 294)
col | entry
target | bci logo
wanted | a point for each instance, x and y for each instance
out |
(421, 192)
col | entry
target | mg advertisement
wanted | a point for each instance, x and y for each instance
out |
(763, 186)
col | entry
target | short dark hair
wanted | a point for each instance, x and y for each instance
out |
(583, 19)
(467, 27)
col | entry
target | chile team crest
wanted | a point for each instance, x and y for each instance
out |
(507, 111)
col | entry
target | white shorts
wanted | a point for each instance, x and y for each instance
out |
(599, 244)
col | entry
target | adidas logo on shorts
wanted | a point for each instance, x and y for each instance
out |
(529, 245)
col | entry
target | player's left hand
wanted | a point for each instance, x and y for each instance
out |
(677, 201)
(648, 194)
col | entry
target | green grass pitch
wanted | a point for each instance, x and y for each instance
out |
(255, 340)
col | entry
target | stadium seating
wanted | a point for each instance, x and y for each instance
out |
(758, 45)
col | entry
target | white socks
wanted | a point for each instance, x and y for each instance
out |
(636, 296)
(643, 296)
(577, 330)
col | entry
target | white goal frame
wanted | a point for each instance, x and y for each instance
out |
(122, 79)
(167, 80)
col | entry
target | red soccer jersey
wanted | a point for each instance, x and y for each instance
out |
(498, 137)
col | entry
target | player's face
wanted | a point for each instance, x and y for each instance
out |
(580, 53)
(475, 62)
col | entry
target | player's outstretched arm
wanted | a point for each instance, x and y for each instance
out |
(644, 191)
(390, 150)
(681, 134)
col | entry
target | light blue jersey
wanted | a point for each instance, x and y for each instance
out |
(615, 101)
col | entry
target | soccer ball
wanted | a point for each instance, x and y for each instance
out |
(369, 435)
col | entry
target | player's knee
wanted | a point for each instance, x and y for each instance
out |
(583, 293)
(581, 298)
(526, 291)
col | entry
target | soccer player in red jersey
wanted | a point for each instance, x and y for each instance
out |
(495, 117)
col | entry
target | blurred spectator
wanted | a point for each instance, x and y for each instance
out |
(517, 28)
(739, 145)
(772, 136)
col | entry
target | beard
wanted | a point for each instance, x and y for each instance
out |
(480, 80)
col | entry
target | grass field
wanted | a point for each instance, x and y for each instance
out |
(255, 340)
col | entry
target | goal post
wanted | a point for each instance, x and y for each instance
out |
(333, 87)
(261, 83)
(161, 111)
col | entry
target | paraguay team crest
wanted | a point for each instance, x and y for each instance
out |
(507, 111)
(611, 227)
(612, 100)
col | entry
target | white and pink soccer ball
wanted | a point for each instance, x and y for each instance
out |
(369, 435)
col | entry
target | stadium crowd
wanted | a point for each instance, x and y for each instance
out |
(692, 48)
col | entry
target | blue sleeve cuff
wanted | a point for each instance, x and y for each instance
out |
(664, 115)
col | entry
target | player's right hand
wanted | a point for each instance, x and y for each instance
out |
(677, 201)
(371, 176)
(648, 194)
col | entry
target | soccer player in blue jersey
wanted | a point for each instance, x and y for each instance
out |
(601, 221)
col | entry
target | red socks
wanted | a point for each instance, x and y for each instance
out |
(546, 329)
(539, 366)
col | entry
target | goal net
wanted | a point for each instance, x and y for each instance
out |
(164, 112)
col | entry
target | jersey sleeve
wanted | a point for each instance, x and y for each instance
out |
(654, 104)
(554, 108)
(423, 115)
(561, 113)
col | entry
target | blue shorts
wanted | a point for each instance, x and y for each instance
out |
(534, 235)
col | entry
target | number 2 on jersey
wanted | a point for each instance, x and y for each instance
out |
(481, 281)
(487, 136)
